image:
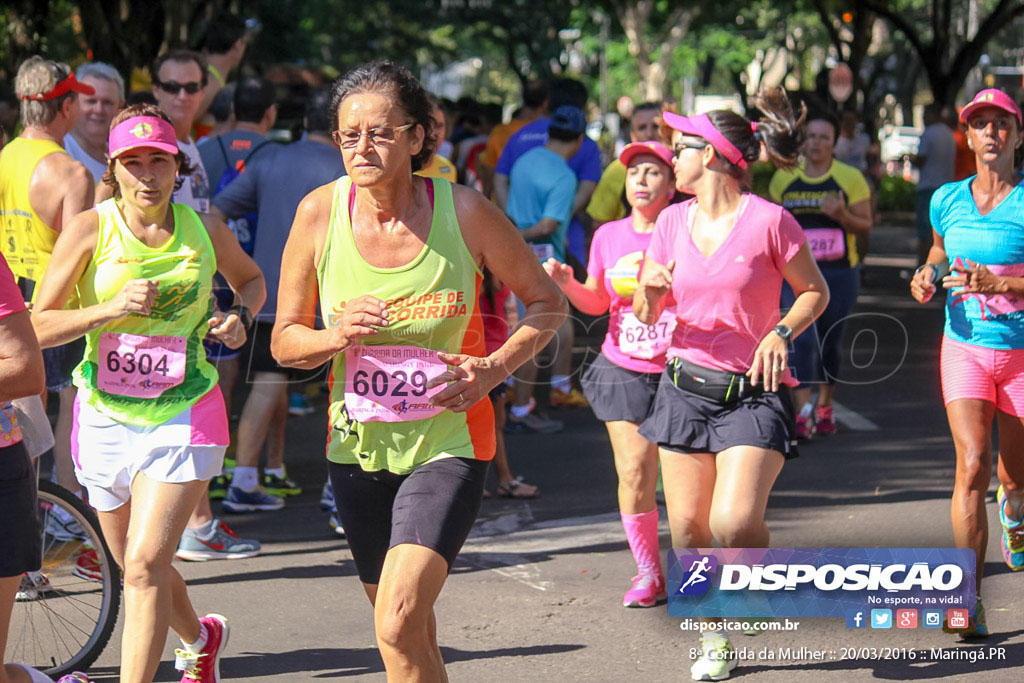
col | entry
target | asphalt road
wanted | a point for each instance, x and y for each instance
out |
(536, 594)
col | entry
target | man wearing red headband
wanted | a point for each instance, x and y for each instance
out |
(42, 187)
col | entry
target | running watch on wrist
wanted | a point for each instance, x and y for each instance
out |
(784, 331)
(244, 314)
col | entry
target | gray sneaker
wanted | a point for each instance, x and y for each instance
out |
(533, 423)
(222, 544)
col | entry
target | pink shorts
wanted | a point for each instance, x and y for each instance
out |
(108, 454)
(994, 375)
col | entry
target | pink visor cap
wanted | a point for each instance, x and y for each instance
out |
(992, 98)
(701, 126)
(635, 149)
(142, 131)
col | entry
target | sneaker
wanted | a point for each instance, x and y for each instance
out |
(238, 500)
(647, 590)
(1012, 540)
(977, 627)
(824, 424)
(804, 427)
(533, 423)
(73, 677)
(716, 661)
(573, 398)
(222, 544)
(61, 526)
(327, 497)
(280, 486)
(219, 486)
(33, 586)
(298, 405)
(335, 523)
(87, 565)
(204, 665)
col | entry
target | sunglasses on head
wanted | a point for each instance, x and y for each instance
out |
(173, 87)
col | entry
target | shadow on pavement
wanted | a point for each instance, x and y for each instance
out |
(317, 571)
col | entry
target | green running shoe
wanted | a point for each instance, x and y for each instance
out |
(716, 661)
(1012, 541)
(280, 486)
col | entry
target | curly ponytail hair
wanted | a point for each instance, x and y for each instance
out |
(779, 129)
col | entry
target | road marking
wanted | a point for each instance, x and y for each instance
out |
(853, 419)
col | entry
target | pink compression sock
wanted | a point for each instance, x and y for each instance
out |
(642, 534)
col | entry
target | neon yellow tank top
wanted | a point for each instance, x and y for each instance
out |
(432, 304)
(183, 268)
(27, 240)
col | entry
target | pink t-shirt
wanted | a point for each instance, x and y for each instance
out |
(728, 302)
(616, 256)
(11, 302)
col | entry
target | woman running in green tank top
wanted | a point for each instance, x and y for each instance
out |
(396, 264)
(150, 426)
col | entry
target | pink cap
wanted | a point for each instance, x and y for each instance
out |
(992, 98)
(636, 148)
(701, 126)
(142, 131)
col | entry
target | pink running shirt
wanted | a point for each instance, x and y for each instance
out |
(11, 302)
(728, 302)
(616, 257)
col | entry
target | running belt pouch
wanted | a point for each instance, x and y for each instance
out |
(715, 385)
(36, 435)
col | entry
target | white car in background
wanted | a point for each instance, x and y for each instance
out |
(898, 142)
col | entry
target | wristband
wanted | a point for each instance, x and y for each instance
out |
(935, 271)
(244, 314)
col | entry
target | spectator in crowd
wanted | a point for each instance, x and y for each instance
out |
(223, 47)
(535, 102)
(438, 166)
(852, 144)
(255, 111)
(586, 164)
(935, 159)
(540, 204)
(87, 141)
(964, 166)
(273, 186)
(223, 112)
(609, 200)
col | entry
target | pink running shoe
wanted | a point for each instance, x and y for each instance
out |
(204, 666)
(647, 590)
(74, 677)
(824, 424)
(804, 427)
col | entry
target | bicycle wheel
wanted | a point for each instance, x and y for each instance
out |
(65, 613)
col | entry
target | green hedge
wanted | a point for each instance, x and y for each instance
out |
(896, 194)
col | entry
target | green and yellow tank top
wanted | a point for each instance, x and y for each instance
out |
(144, 370)
(27, 240)
(432, 305)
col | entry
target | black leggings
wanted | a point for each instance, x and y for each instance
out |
(435, 506)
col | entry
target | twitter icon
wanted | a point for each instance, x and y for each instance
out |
(881, 618)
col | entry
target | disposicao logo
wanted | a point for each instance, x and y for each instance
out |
(817, 582)
(697, 579)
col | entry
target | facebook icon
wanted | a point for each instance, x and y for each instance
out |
(855, 618)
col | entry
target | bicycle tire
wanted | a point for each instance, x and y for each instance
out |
(63, 623)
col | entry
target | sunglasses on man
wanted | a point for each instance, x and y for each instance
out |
(173, 87)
